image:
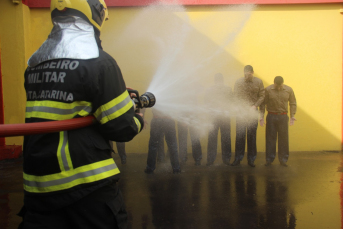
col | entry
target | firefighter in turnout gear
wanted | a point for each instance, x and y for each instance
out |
(70, 178)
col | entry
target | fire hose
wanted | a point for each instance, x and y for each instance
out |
(10, 130)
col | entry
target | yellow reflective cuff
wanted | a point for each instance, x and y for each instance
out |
(138, 123)
(116, 114)
(114, 109)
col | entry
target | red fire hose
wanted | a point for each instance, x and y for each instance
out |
(10, 130)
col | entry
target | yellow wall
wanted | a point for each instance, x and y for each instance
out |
(13, 30)
(302, 43)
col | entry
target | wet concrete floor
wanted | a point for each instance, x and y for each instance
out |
(306, 194)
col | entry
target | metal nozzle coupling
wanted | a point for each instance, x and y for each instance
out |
(148, 99)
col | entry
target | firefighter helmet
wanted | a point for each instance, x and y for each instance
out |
(94, 11)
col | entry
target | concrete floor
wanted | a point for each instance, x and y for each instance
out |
(306, 194)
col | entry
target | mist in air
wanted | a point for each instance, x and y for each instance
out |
(184, 59)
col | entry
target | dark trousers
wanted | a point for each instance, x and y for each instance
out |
(121, 150)
(103, 209)
(158, 127)
(160, 151)
(246, 130)
(182, 130)
(277, 129)
(224, 126)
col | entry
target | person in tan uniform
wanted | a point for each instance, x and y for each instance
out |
(277, 98)
(249, 95)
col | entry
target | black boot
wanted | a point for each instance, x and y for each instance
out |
(283, 163)
(148, 171)
(226, 161)
(251, 163)
(209, 163)
(236, 162)
(176, 171)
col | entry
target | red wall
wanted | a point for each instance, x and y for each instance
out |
(46, 3)
(2, 140)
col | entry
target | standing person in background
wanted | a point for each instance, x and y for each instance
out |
(70, 178)
(218, 97)
(161, 155)
(249, 92)
(162, 124)
(121, 151)
(182, 130)
(278, 96)
(188, 122)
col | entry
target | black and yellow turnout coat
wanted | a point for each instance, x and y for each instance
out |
(62, 167)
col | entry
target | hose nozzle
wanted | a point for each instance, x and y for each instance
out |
(147, 100)
(144, 101)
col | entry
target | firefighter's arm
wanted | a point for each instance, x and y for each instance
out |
(113, 107)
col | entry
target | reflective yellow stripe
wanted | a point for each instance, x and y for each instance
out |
(114, 109)
(63, 154)
(57, 110)
(59, 154)
(138, 123)
(68, 179)
(70, 164)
